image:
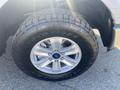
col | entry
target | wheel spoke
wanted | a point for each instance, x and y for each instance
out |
(40, 51)
(56, 66)
(47, 50)
(56, 44)
(43, 62)
(70, 50)
(69, 62)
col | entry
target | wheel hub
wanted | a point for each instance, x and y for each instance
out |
(56, 55)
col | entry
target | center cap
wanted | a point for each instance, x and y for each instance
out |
(56, 56)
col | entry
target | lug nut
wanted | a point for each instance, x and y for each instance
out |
(62, 58)
(50, 58)
(49, 54)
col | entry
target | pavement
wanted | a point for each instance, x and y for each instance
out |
(103, 75)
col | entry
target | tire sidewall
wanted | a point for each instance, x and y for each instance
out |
(23, 45)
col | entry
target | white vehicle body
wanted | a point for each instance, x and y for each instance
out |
(113, 5)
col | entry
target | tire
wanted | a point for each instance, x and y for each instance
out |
(54, 23)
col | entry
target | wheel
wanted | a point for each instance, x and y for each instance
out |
(54, 45)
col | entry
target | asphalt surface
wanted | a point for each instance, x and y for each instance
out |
(103, 75)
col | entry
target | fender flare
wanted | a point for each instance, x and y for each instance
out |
(98, 16)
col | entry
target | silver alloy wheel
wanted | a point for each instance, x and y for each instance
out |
(55, 55)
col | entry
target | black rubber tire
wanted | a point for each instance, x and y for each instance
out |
(51, 23)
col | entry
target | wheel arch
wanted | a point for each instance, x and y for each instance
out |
(98, 16)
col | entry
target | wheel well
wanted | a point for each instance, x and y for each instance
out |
(98, 16)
